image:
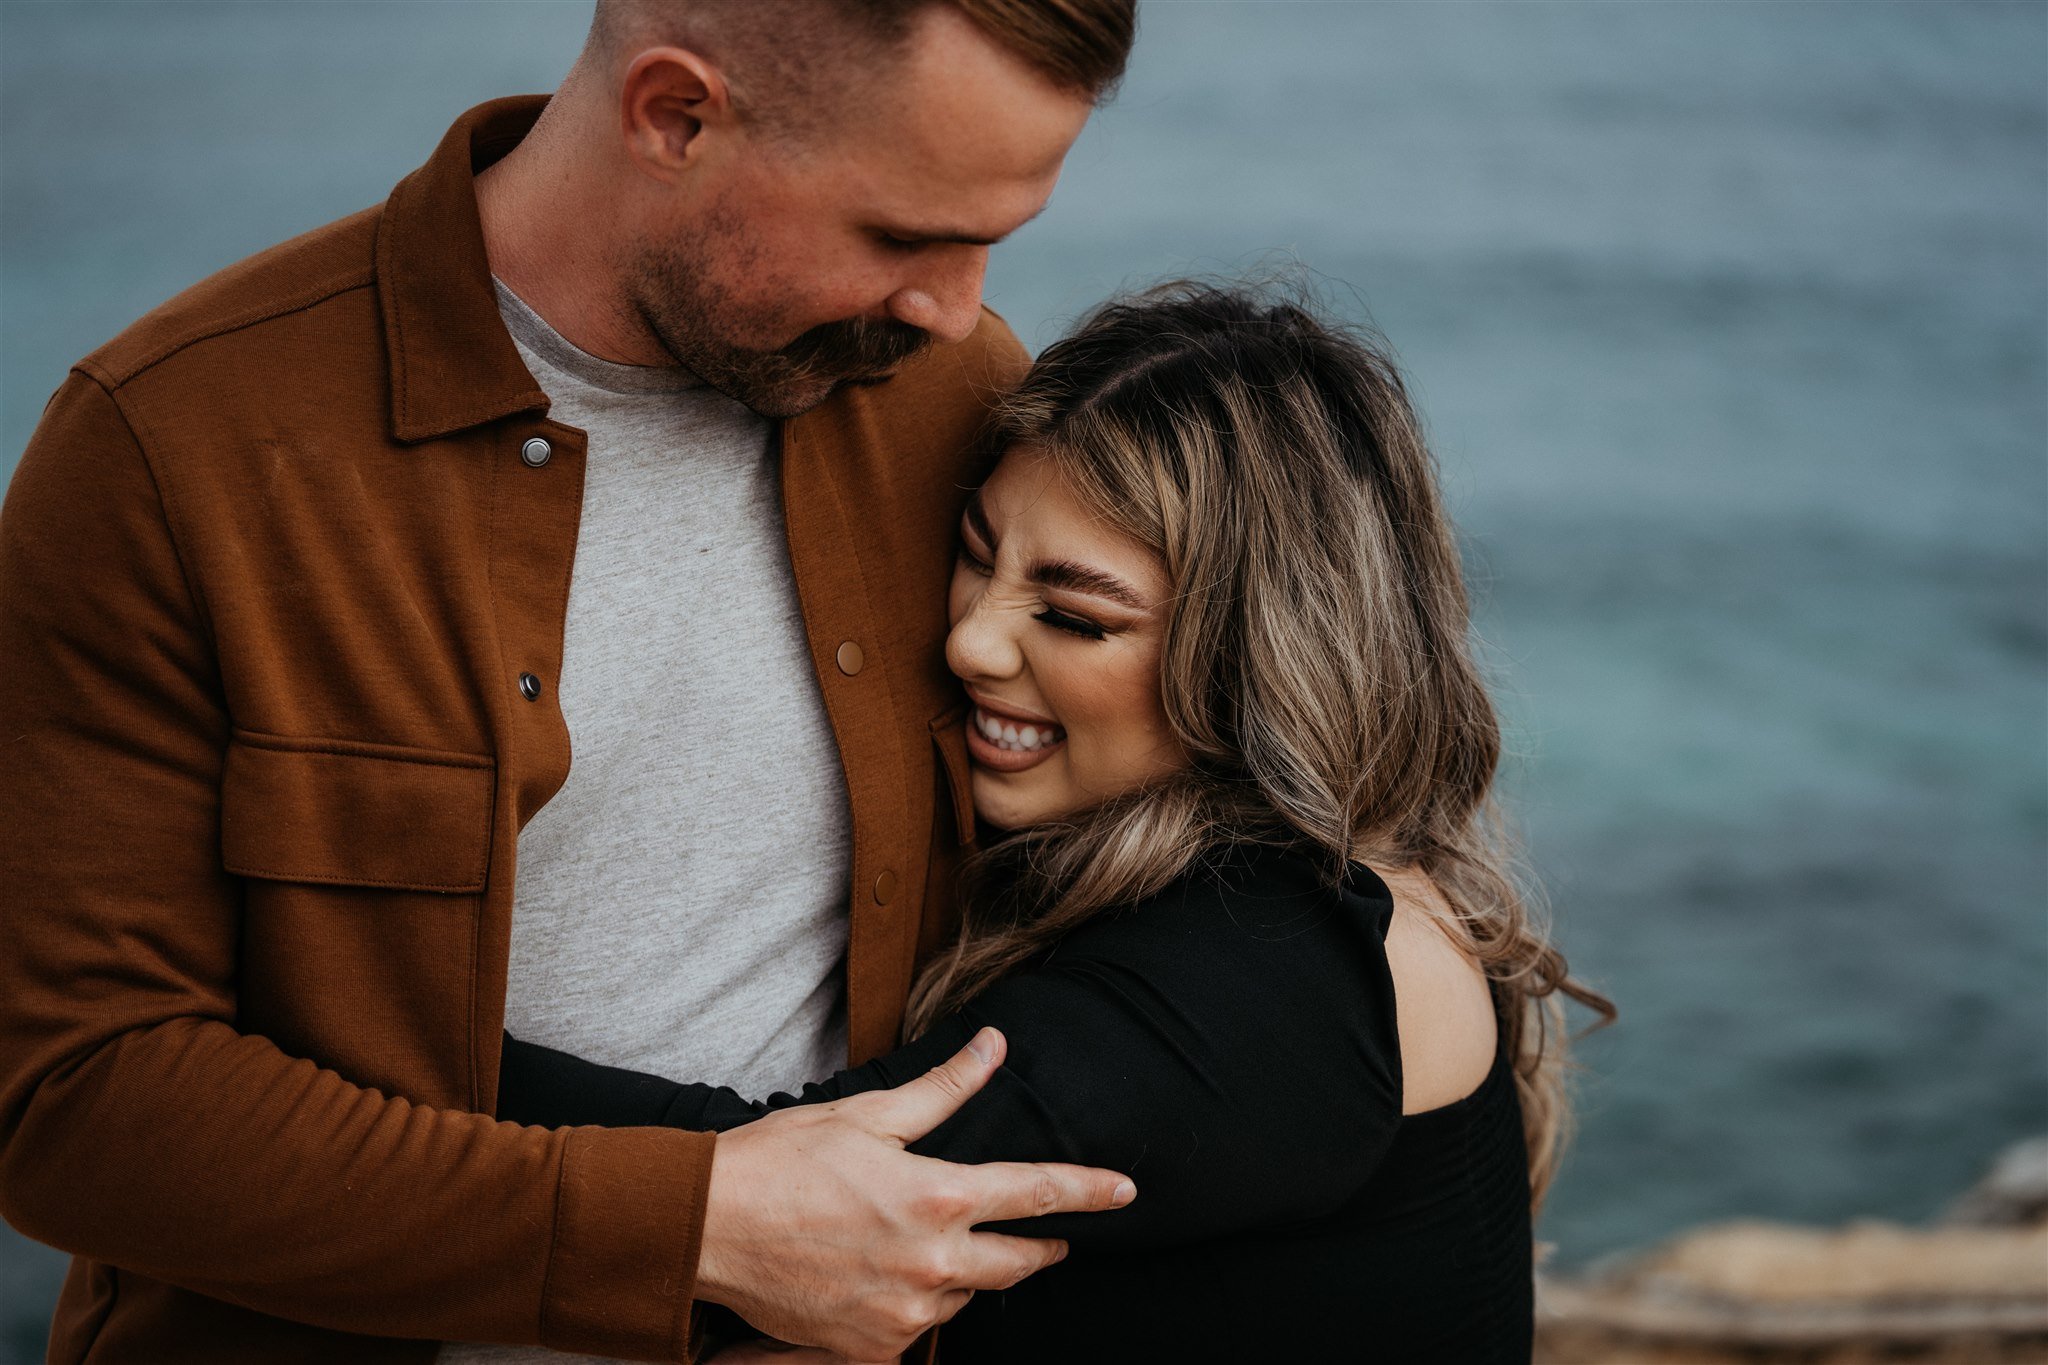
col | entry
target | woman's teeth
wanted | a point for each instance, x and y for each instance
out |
(1005, 734)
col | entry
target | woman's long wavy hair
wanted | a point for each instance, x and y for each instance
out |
(1316, 662)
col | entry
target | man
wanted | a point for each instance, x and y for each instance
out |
(307, 582)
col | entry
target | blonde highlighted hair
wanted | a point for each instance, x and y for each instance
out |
(1317, 663)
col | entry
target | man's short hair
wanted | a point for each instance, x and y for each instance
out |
(787, 59)
(1080, 45)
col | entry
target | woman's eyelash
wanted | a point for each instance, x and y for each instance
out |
(974, 561)
(1073, 625)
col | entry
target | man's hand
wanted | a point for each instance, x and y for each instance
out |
(822, 1230)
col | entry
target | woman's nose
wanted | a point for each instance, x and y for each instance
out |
(981, 646)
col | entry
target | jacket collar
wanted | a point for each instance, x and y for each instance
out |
(452, 363)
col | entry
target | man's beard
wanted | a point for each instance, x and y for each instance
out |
(691, 316)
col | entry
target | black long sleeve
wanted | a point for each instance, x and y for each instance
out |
(1229, 1044)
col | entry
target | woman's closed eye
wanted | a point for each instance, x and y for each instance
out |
(1052, 616)
(1073, 625)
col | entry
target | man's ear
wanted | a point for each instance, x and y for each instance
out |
(670, 96)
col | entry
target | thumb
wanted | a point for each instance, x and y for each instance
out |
(916, 1107)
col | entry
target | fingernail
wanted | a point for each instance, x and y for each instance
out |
(1060, 1255)
(1123, 1194)
(982, 1046)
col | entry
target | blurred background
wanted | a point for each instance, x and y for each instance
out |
(1730, 321)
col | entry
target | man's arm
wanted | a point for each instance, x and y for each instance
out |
(140, 1127)
(1232, 1042)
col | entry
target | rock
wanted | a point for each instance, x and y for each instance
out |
(1865, 1262)
(1973, 1288)
(2014, 1192)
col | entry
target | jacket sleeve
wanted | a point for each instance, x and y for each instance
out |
(1230, 1045)
(139, 1126)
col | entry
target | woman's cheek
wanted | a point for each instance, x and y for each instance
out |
(1084, 694)
(1135, 743)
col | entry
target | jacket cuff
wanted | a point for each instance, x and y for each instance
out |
(629, 1222)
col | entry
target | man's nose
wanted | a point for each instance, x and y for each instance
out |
(944, 300)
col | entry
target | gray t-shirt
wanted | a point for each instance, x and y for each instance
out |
(681, 902)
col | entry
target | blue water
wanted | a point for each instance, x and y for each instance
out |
(1731, 324)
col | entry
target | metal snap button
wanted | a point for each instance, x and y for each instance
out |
(850, 658)
(885, 887)
(529, 687)
(536, 452)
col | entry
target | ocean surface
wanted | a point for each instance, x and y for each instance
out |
(1731, 324)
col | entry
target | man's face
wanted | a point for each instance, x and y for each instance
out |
(798, 267)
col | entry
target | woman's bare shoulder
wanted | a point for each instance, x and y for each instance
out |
(1442, 1006)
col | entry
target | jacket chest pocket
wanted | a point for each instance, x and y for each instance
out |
(342, 813)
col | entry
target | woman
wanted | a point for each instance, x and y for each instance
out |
(1249, 938)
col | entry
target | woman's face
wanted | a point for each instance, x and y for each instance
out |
(1057, 623)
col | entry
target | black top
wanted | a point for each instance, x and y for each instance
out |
(1231, 1045)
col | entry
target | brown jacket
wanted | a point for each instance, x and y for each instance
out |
(271, 572)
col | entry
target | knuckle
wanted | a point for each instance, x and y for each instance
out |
(943, 1204)
(907, 1319)
(1027, 1264)
(933, 1271)
(1045, 1192)
(946, 1079)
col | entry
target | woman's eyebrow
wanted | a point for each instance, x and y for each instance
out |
(1065, 573)
(1060, 573)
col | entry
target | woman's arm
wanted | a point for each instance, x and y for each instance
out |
(1230, 1044)
(540, 1085)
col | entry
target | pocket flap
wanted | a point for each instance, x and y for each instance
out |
(353, 814)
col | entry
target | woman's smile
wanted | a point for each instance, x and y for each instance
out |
(1010, 741)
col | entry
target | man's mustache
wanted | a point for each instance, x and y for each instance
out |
(855, 349)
